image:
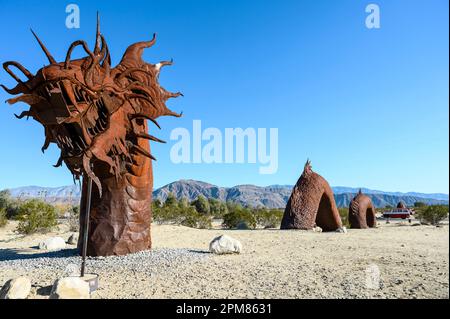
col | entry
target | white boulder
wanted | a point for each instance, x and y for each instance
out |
(317, 229)
(342, 229)
(70, 288)
(18, 288)
(53, 243)
(225, 245)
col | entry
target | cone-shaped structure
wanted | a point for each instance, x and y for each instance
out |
(311, 204)
(361, 212)
(401, 205)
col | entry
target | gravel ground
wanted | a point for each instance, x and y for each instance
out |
(392, 261)
(68, 261)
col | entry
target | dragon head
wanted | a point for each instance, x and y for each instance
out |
(93, 112)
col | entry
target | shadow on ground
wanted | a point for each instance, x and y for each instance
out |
(44, 291)
(20, 254)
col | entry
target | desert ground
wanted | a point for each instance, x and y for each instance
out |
(413, 262)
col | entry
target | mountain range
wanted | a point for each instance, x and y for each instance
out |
(273, 196)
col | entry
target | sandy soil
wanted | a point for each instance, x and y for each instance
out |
(413, 262)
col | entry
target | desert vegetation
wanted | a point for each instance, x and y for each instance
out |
(33, 215)
(432, 215)
(38, 216)
(201, 212)
(343, 212)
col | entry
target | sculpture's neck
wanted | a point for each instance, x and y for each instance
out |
(120, 220)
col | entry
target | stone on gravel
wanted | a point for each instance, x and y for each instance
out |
(18, 288)
(70, 288)
(53, 243)
(342, 229)
(73, 239)
(317, 229)
(225, 245)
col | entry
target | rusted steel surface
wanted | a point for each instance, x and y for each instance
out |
(361, 212)
(311, 204)
(97, 115)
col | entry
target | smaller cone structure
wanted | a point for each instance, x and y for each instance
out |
(361, 212)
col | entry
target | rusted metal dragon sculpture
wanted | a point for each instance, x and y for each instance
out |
(97, 115)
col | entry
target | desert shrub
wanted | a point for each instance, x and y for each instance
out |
(36, 216)
(204, 222)
(419, 204)
(183, 203)
(169, 212)
(5, 197)
(156, 202)
(268, 218)
(157, 212)
(343, 212)
(218, 209)
(202, 205)
(195, 220)
(237, 216)
(9, 204)
(74, 217)
(62, 209)
(433, 214)
(171, 201)
(3, 219)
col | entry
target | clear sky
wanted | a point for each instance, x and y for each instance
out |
(369, 107)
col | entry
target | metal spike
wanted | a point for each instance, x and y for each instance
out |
(47, 53)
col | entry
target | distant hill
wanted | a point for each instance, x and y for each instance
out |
(64, 194)
(274, 196)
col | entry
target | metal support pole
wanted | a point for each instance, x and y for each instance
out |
(86, 223)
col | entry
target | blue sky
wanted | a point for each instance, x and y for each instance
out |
(369, 107)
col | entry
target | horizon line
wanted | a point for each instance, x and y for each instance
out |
(271, 185)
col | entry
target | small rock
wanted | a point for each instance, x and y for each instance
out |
(53, 243)
(73, 239)
(317, 229)
(18, 288)
(342, 229)
(225, 245)
(70, 288)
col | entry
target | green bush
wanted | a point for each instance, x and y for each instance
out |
(179, 213)
(36, 216)
(238, 216)
(202, 205)
(3, 219)
(343, 212)
(268, 218)
(419, 204)
(195, 220)
(218, 209)
(5, 197)
(10, 205)
(74, 218)
(433, 214)
(171, 201)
